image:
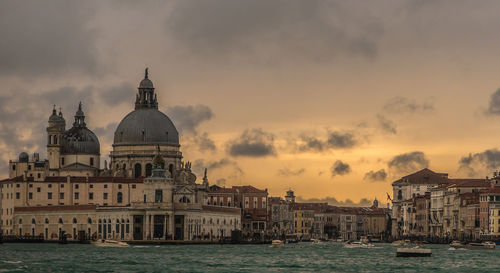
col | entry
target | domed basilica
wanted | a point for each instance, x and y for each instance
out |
(145, 190)
(76, 151)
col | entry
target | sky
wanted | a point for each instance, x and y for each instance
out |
(333, 99)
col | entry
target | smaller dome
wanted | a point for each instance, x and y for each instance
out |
(23, 157)
(146, 83)
(79, 140)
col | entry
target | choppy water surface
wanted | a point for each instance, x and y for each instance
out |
(302, 257)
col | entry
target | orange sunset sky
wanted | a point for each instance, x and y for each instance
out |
(333, 99)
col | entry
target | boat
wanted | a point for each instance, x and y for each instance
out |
(109, 243)
(401, 242)
(277, 243)
(457, 244)
(484, 245)
(413, 252)
(357, 245)
(364, 240)
(315, 241)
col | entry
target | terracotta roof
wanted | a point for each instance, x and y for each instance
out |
(274, 200)
(468, 182)
(55, 208)
(317, 207)
(223, 190)
(248, 189)
(424, 176)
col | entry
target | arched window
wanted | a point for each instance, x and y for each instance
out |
(74, 220)
(60, 221)
(149, 169)
(100, 221)
(124, 166)
(89, 220)
(137, 170)
(119, 197)
(33, 221)
(20, 221)
(55, 139)
(400, 195)
(46, 220)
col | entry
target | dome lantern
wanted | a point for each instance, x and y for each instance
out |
(146, 98)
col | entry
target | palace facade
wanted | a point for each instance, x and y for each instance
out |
(146, 192)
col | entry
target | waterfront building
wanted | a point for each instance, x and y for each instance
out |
(490, 212)
(409, 186)
(146, 192)
(281, 221)
(422, 204)
(251, 201)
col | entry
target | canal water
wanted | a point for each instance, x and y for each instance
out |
(301, 257)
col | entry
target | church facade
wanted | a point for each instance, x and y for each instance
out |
(145, 192)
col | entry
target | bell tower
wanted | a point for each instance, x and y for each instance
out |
(57, 126)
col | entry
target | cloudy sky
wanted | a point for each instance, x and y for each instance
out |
(334, 99)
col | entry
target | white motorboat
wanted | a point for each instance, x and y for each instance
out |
(357, 245)
(315, 241)
(413, 252)
(457, 244)
(484, 245)
(109, 243)
(277, 243)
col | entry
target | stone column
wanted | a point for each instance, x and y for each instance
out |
(171, 224)
(165, 226)
(146, 226)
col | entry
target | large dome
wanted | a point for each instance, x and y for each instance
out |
(146, 126)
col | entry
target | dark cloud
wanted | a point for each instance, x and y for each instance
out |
(400, 105)
(379, 175)
(317, 31)
(124, 92)
(310, 143)
(252, 143)
(486, 161)
(341, 140)
(199, 165)
(386, 124)
(289, 172)
(205, 143)
(364, 202)
(40, 38)
(494, 106)
(340, 168)
(408, 162)
(187, 118)
(235, 172)
(221, 182)
(335, 140)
